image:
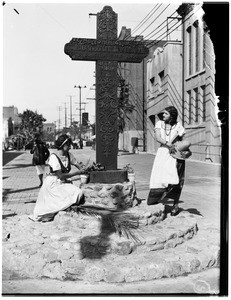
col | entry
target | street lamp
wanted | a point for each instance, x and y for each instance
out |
(80, 87)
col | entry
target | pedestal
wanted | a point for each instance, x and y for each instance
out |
(113, 196)
(109, 176)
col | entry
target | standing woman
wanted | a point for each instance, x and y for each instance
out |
(40, 155)
(168, 172)
(57, 192)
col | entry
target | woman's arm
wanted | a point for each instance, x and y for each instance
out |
(63, 176)
(159, 138)
(78, 165)
(169, 144)
(74, 162)
(175, 139)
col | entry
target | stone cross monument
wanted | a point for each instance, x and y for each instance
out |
(106, 50)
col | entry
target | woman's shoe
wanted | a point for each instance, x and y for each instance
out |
(175, 211)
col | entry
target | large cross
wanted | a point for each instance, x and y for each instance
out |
(106, 50)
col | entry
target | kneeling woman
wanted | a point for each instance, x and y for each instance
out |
(57, 193)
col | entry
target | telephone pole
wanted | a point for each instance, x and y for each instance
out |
(70, 109)
(59, 108)
(80, 87)
(65, 114)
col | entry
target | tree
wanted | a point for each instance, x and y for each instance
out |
(31, 122)
(125, 108)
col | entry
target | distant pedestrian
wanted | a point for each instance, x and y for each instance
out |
(81, 144)
(167, 176)
(58, 193)
(40, 155)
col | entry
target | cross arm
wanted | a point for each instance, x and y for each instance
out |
(107, 50)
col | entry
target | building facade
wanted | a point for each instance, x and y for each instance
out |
(49, 127)
(178, 73)
(135, 76)
(183, 75)
(199, 102)
(164, 86)
(11, 120)
(49, 131)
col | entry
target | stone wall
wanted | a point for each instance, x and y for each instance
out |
(112, 196)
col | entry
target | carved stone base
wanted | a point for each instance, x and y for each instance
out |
(112, 196)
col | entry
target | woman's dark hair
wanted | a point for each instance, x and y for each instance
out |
(62, 140)
(173, 114)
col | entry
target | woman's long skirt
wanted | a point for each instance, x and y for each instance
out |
(167, 177)
(55, 196)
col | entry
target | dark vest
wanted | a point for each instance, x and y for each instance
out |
(63, 168)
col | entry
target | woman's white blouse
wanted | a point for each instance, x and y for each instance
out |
(54, 162)
(167, 135)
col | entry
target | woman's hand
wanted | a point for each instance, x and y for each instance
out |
(172, 149)
(168, 144)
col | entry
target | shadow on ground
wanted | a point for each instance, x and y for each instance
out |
(17, 166)
(95, 247)
(8, 216)
(23, 190)
(28, 202)
(8, 156)
(193, 211)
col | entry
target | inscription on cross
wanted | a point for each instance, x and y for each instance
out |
(106, 50)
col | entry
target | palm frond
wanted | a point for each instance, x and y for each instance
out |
(122, 222)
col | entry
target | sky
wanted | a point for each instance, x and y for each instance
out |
(37, 74)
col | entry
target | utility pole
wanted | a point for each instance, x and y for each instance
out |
(80, 87)
(70, 109)
(55, 130)
(173, 18)
(65, 114)
(59, 108)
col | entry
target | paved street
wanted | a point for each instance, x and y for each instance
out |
(200, 196)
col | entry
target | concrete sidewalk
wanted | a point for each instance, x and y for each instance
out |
(200, 195)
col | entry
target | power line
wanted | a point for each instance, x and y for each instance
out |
(155, 18)
(163, 23)
(164, 34)
(157, 39)
(145, 20)
(53, 18)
